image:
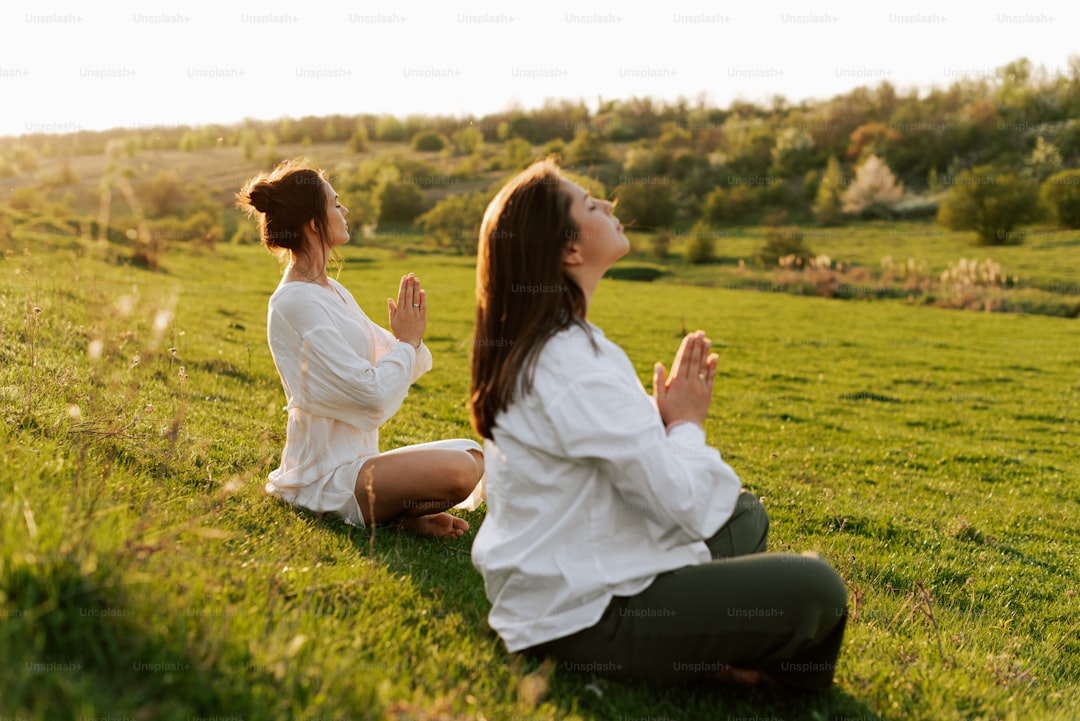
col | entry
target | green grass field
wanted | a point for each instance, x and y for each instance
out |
(931, 455)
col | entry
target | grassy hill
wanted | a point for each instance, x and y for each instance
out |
(930, 455)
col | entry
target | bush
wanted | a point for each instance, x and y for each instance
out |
(701, 246)
(399, 201)
(646, 206)
(455, 221)
(781, 243)
(1061, 192)
(587, 148)
(990, 203)
(467, 140)
(428, 141)
(729, 204)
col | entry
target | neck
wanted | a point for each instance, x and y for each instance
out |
(308, 267)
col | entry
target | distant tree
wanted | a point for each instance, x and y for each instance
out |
(991, 203)
(646, 206)
(595, 187)
(729, 203)
(792, 153)
(330, 131)
(518, 153)
(162, 195)
(467, 140)
(1061, 192)
(1044, 160)
(587, 148)
(827, 203)
(249, 144)
(189, 142)
(358, 141)
(389, 129)
(428, 141)
(454, 222)
(873, 138)
(25, 157)
(874, 186)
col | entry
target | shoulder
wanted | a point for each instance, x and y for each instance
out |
(574, 349)
(301, 304)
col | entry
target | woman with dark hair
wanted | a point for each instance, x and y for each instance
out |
(615, 539)
(344, 376)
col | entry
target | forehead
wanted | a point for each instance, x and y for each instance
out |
(575, 191)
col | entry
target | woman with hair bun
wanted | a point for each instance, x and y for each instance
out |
(344, 376)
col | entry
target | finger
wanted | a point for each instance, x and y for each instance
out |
(401, 291)
(692, 357)
(423, 303)
(659, 380)
(390, 308)
(676, 365)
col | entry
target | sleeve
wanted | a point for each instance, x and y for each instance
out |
(328, 378)
(385, 341)
(683, 485)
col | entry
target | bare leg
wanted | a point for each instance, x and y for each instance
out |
(414, 486)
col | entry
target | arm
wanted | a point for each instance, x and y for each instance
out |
(327, 376)
(675, 480)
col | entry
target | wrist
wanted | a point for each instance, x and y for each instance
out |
(675, 424)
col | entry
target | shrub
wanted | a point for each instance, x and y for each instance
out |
(467, 140)
(783, 242)
(518, 153)
(728, 204)
(400, 201)
(587, 148)
(455, 221)
(646, 206)
(428, 141)
(1061, 192)
(989, 203)
(701, 245)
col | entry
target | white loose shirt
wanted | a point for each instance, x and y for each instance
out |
(343, 377)
(588, 496)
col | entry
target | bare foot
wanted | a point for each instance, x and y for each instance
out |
(744, 677)
(436, 525)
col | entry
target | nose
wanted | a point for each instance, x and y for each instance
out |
(609, 207)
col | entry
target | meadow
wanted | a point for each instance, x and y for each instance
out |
(930, 455)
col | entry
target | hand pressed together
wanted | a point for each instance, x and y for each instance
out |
(408, 316)
(684, 396)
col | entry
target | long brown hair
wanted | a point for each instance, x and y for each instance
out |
(284, 201)
(523, 294)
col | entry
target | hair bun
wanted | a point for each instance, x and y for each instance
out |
(261, 197)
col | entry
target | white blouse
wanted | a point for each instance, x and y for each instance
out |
(588, 496)
(343, 377)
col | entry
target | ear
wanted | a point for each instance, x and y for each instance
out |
(314, 227)
(571, 254)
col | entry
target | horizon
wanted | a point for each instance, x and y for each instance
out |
(128, 68)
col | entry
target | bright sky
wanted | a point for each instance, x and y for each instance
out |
(66, 66)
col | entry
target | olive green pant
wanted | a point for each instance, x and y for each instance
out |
(780, 613)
